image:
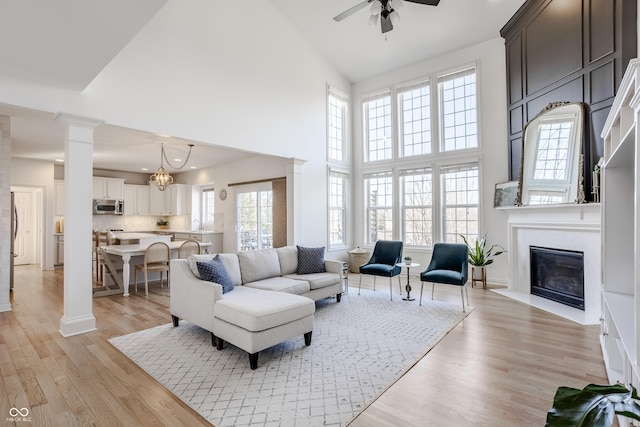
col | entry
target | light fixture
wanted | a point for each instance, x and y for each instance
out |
(386, 11)
(161, 177)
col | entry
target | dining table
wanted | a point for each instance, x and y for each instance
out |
(119, 260)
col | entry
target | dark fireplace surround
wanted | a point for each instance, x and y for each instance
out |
(558, 275)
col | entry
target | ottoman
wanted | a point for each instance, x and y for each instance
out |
(254, 319)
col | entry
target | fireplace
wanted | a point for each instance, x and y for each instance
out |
(558, 275)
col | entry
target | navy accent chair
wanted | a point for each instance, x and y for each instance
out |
(386, 254)
(448, 266)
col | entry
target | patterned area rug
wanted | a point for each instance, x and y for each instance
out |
(360, 347)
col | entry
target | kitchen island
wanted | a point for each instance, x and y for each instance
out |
(120, 258)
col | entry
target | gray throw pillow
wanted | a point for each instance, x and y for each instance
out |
(310, 260)
(215, 271)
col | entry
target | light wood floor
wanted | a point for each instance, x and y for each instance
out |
(499, 367)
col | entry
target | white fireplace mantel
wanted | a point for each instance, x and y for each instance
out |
(573, 227)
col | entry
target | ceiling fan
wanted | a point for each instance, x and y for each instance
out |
(384, 9)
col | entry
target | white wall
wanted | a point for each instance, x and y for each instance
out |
(490, 58)
(255, 168)
(39, 174)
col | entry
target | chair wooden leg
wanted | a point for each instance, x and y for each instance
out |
(391, 287)
(374, 283)
(146, 283)
(360, 284)
(433, 286)
(135, 273)
(421, 287)
(400, 284)
(462, 296)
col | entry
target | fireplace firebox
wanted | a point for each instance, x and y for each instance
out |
(558, 275)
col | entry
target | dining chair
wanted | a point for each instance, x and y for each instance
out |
(157, 257)
(100, 238)
(386, 254)
(448, 266)
(188, 247)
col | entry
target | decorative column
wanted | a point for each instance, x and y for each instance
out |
(294, 201)
(78, 178)
(5, 212)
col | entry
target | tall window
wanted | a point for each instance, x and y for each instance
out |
(461, 206)
(208, 206)
(337, 125)
(414, 109)
(458, 106)
(377, 116)
(379, 194)
(427, 140)
(417, 207)
(338, 184)
(255, 220)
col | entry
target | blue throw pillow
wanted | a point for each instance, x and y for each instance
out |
(215, 271)
(310, 260)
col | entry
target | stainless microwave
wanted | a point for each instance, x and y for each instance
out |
(108, 207)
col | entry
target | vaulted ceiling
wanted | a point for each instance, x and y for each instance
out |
(67, 43)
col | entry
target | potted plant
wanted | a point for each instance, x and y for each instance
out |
(479, 257)
(407, 260)
(162, 223)
(593, 406)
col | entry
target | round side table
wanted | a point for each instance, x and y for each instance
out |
(408, 287)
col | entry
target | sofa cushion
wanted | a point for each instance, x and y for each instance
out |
(281, 284)
(316, 280)
(258, 265)
(288, 256)
(215, 271)
(230, 262)
(256, 310)
(310, 260)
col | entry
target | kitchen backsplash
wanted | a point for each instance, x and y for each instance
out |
(139, 223)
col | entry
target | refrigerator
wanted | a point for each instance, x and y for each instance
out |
(14, 233)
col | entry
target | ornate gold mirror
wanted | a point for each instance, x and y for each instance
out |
(551, 168)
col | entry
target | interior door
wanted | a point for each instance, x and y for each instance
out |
(24, 240)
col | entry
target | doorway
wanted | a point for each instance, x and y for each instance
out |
(28, 243)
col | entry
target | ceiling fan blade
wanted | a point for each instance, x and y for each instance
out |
(427, 2)
(351, 10)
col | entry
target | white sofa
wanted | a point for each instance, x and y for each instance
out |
(270, 302)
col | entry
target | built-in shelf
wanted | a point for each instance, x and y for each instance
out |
(623, 154)
(622, 309)
(620, 325)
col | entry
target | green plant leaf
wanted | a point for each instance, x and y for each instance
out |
(593, 406)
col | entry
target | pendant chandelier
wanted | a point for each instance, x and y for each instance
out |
(161, 177)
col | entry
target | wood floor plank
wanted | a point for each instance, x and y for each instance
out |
(499, 367)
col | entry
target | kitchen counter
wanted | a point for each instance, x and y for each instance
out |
(141, 238)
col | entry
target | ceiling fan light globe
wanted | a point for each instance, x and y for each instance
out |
(376, 8)
(373, 19)
(396, 4)
(394, 17)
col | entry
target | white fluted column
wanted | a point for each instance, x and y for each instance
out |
(78, 178)
(294, 200)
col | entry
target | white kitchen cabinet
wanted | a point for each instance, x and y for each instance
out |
(172, 201)
(136, 199)
(59, 185)
(620, 339)
(203, 236)
(108, 188)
